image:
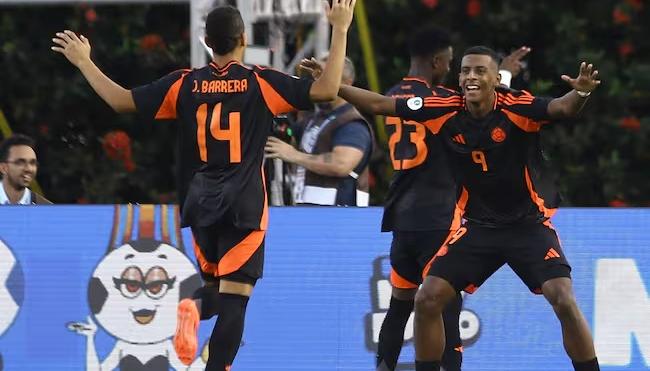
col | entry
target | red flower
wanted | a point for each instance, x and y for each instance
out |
(625, 49)
(430, 3)
(617, 202)
(620, 17)
(473, 8)
(635, 4)
(152, 41)
(117, 145)
(630, 123)
(129, 165)
(91, 15)
(83, 200)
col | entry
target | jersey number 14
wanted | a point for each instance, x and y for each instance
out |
(231, 134)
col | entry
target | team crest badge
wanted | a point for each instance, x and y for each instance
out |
(498, 135)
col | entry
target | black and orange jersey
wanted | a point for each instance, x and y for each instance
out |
(224, 116)
(422, 193)
(498, 158)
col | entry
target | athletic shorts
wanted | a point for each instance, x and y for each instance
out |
(224, 251)
(410, 251)
(474, 253)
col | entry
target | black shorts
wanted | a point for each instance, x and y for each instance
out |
(224, 251)
(474, 253)
(410, 251)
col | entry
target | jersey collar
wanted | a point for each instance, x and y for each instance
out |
(224, 68)
(411, 78)
(494, 107)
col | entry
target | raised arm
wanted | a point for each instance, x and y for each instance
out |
(511, 65)
(340, 16)
(368, 101)
(570, 104)
(77, 50)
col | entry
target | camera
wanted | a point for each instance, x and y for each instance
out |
(282, 129)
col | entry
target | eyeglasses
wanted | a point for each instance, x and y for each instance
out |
(23, 163)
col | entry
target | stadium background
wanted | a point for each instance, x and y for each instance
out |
(91, 155)
(325, 287)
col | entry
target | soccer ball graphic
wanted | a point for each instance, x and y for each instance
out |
(11, 287)
(135, 289)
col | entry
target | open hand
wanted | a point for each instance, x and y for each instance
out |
(513, 62)
(340, 13)
(312, 66)
(586, 81)
(75, 48)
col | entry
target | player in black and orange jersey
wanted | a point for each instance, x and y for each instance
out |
(492, 136)
(225, 114)
(420, 208)
(421, 201)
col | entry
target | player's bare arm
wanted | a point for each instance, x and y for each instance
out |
(368, 101)
(364, 100)
(340, 17)
(77, 50)
(340, 162)
(571, 103)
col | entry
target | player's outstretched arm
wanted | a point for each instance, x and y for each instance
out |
(77, 50)
(368, 101)
(340, 17)
(572, 102)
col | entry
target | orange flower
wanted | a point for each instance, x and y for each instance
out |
(630, 123)
(626, 48)
(152, 41)
(117, 145)
(617, 202)
(620, 17)
(90, 15)
(473, 8)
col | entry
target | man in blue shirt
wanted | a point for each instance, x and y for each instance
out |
(333, 154)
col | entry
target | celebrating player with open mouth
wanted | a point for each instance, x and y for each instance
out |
(492, 137)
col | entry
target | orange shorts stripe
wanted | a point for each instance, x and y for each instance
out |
(441, 251)
(234, 258)
(400, 282)
(206, 266)
(241, 253)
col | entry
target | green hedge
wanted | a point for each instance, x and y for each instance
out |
(602, 157)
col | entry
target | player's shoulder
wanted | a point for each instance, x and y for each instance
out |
(509, 97)
(409, 87)
(269, 72)
(443, 92)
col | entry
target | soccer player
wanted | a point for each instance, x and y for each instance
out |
(492, 136)
(420, 207)
(225, 112)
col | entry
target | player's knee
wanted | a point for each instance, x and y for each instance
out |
(563, 301)
(429, 301)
